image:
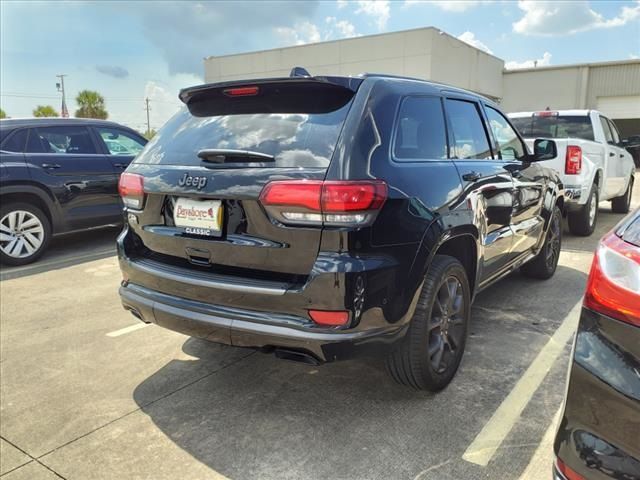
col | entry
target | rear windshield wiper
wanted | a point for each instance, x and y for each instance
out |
(222, 155)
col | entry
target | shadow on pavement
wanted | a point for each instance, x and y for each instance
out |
(67, 250)
(267, 418)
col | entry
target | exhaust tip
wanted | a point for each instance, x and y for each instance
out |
(295, 356)
(135, 313)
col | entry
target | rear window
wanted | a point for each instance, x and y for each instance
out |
(554, 126)
(294, 139)
(632, 232)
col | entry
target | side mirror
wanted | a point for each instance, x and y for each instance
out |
(544, 149)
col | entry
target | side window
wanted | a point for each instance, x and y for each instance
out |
(16, 142)
(67, 139)
(420, 132)
(509, 144)
(614, 132)
(119, 142)
(607, 130)
(470, 137)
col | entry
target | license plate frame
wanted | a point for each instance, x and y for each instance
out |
(198, 217)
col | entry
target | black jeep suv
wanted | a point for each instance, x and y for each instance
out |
(58, 175)
(325, 217)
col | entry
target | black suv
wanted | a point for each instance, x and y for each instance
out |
(58, 175)
(325, 217)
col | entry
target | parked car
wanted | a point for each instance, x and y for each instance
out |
(324, 218)
(599, 435)
(592, 161)
(58, 175)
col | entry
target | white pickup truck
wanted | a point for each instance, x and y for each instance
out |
(590, 159)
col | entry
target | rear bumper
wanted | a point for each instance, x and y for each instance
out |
(247, 328)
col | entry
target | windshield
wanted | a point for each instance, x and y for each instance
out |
(295, 140)
(554, 126)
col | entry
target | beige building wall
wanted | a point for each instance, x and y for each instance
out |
(573, 86)
(424, 53)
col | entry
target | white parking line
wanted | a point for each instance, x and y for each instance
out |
(542, 459)
(125, 330)
(487, 442)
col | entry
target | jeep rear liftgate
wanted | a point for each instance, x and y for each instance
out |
(197, 200)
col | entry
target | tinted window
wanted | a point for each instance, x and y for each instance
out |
(294, 139)
(119, 142)
(420, 130)
(606, 129)
(67, 139)
(554, 126)
(468, 131)
(509, 144)
(15, 142)
(614, 132)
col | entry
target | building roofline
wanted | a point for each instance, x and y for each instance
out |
(325, 42)
(574, 65)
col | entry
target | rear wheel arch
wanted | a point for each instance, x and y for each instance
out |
(464, 248)
(34, 196)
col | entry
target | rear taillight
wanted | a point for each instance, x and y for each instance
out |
(131, 189)
(329, 318)
(545, 113)
(314, 202)
(573, 160)
(568, 472)
(613, 287)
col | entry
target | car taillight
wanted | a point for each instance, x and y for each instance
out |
(568, 472)
(573, 160)
(329, 318)
(314, 202)
(131, 189)
(613, 287)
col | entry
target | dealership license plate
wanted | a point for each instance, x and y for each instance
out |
(198, 217)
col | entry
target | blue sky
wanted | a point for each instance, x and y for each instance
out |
(131, 50)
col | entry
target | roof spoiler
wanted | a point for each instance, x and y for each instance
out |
(295, 94)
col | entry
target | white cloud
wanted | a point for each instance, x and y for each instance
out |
(548, 18)
(470, 38)
(633, 56)
(539, 62)
(341, 3)
(378, 9)
(339, 28)
(301, 33)
(449, 5)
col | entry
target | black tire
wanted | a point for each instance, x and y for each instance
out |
(544, 264)
(622, 204)
(435, 329)
(581, 222)
(45, 235)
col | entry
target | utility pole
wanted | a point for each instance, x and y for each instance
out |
(60, 86)
(146, 100)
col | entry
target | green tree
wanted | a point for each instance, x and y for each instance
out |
(91, 105)
(45, 111)
(2, 114)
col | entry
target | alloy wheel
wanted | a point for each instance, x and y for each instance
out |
(553, 241)
(21, 234)
(593, 209)
(446, 325)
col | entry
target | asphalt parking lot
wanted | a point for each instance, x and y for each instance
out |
(87, 391)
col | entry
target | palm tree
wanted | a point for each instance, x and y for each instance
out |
(91, 105)
(45, 111)
(2, 114)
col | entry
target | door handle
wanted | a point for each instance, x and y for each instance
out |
(471, 176)
(622, 155)
(50, 166)
(121, 165)
(612, 154)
